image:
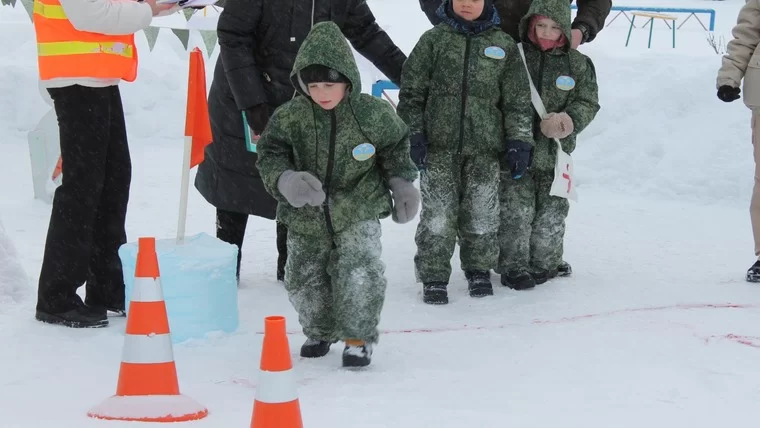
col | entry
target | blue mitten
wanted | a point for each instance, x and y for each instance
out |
(418, 149)
(301, 188)
(518, 157)
(406, 200)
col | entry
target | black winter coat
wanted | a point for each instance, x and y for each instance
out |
(591, 13)
(259, 41)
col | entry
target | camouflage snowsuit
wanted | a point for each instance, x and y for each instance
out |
(334, 275)
(532, 222)
(467, 92)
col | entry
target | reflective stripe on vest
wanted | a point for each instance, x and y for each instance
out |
(49, 11)
(65, 52)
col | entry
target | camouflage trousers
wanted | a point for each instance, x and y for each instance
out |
(337, 284)
(532, 223)
(460, 198)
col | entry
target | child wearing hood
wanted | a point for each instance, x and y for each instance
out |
(465, 96)
(337, 160)
(533, 222)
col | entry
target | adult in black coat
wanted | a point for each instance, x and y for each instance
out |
(259, 41)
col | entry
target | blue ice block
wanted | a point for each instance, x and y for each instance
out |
(199, 284)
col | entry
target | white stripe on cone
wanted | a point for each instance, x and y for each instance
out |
(276, 387)
(147, 290)
(147, 349)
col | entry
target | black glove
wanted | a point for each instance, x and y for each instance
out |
(418, 150)
(257, 117)
(518, 157)
(728, 93)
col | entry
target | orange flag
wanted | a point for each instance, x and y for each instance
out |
(197, 124)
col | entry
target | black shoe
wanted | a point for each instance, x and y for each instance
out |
(479, 283)
(753, 274)
(434, 293)
(79, 317)
(314, 348)
(358, 354)
(564, 269)
(518, 280)
(281, 275)
(102, 309)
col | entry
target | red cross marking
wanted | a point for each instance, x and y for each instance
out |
(567, 177)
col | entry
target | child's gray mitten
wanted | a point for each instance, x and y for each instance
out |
(301, 188)
(406, 200)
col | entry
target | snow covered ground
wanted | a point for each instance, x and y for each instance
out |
(655, 328)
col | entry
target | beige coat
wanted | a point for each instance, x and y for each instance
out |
(742, 61)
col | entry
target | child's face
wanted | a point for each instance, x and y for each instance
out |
(327, 94)
(547, 29)
(469, 10)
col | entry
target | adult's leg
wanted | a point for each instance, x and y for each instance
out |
(83, 122)
(282, 250)
(230, 228)
(105, 284)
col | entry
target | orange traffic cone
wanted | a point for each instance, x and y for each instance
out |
(276, 403)
(148, 389)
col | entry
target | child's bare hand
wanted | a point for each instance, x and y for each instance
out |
(158, 8)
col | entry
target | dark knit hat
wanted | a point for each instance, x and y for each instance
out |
(317, 73)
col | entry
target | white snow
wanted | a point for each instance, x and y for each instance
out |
(656, 327)
(149, 408)
(13, 280)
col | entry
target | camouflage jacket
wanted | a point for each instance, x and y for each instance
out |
(465, 88)
(353, 149)
(577, 96)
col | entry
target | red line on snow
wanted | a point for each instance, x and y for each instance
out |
(467, 327)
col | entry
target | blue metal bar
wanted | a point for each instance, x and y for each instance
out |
(380, 86)
(666, 9)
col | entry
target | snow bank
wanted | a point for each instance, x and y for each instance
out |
(13, 281)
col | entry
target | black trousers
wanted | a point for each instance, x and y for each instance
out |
(89, 209)
(230, 228)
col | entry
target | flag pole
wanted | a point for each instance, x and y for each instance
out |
(184, 190)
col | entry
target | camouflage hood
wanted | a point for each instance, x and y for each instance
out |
(558, 10)
(325, 45)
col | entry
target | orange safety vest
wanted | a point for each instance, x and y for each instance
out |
(65, 52)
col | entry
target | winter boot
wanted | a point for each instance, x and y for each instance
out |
(518, 280)
(314, 348)
(564, 269)
(434, 293)
(79, 317)
(357, 353)
(753, 274)
(479, 283)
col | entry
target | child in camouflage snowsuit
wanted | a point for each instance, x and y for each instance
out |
(465, 95)
(337, 161)
(533, 222)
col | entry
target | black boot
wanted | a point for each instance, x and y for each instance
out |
(564, 269)
(79, 317)
(282, 250)
(753, 274)
(314, 348)
(434, 293)
(479, 283)
(357, 353)
(518, 280)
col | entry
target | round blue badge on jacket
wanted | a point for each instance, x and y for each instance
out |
(495, 52)
(565, 83)
(363, 152)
